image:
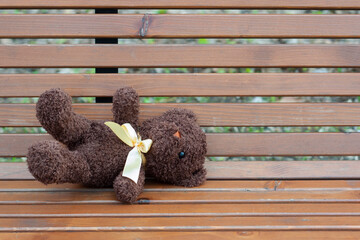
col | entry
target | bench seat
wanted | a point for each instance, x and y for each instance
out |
(221, 209)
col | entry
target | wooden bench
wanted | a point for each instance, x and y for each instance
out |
(241, 199)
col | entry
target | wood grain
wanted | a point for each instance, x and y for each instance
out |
(34, 56)
(270, 214)
(180, 26)
(196, 84)
(184, 4)
(179, 224)
(203, 235)
(244, 170)
(212, 114)
(234, 144)
(185, 210)
(210, 185)
(182, 197)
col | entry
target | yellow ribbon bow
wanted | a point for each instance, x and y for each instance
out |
(135, 157)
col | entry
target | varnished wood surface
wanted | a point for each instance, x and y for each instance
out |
(244, 170)
(23, 185)
(185, 234)
(53, 56)
(187, 210)
(211, 114)
(179, 224)
(233, 144)
(179, 26)
(196, 84)
(257, 208)
(201, 4)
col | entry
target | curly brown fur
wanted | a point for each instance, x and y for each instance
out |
(126, 190)
(163, 158)
(93, 155)
(126, 107)
(52, 162)
(56, 115)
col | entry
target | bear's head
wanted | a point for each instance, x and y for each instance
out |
(177, 154)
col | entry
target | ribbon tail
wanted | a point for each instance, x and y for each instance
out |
(132, 165)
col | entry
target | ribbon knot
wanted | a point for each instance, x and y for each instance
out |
(127, 134)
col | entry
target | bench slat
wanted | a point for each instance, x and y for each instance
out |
(178, 224)
(242, 84)
(212, 114)
(184, 4)
(201, 235)
(33, 56)
(163, 210)
(210, 185)
(184, 196)
(243, 170)
(180, 26)
(235, 144)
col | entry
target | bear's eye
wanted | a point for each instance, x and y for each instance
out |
(181, 155)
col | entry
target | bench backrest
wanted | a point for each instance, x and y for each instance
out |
(106, 58)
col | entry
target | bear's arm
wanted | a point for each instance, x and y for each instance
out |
(128, 191)
(55, 113)
(126, 107)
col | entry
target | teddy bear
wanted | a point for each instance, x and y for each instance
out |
(90, 152)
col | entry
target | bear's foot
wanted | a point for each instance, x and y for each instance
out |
(127, 190)
(52, 162)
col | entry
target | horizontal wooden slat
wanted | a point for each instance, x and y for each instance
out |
(33, 56)
(178, 224)
(210, 185)
(180, 26)
(107, 196)
(163, 210)
(234, 144)
(212, 114)
(243, 170)
(242, 4)
(197, 84)
(201, 235)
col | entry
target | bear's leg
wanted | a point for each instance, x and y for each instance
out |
(126, 107)
(126, 190)
(55, 113)
(52, 162)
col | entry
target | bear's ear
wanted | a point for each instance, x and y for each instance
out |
(177, 114)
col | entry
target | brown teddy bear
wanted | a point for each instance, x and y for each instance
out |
(89, 152)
